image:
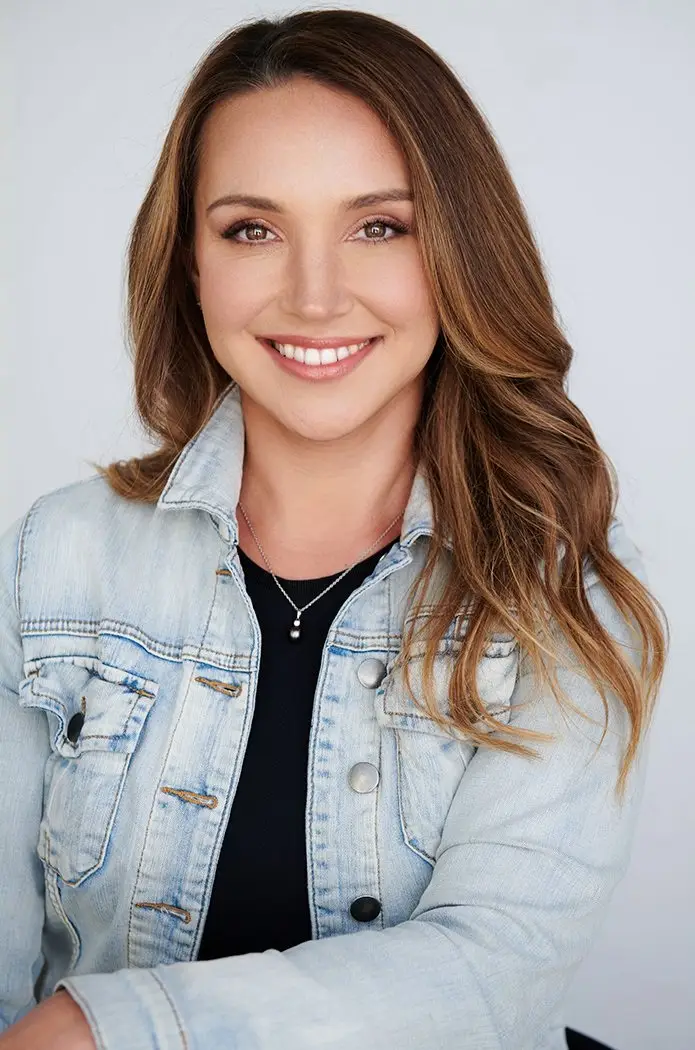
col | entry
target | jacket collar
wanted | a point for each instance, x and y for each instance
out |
(207, 474)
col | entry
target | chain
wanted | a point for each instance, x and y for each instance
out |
(363, 555)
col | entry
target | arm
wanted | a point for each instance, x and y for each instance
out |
(23, 751)
(56, 1023)
(530, 855)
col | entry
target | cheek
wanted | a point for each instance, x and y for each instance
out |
(232, 299)
(404, 296)
(234, 287)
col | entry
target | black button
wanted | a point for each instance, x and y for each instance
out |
(75, 727)
(364, 909)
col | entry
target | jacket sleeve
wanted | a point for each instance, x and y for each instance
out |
(24, 748)
(530, 855)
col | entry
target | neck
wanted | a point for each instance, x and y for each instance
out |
(316, 506)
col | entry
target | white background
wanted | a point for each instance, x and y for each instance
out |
(592, 103)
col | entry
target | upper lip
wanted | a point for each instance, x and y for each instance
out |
(300, 340)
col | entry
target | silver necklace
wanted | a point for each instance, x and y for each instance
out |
(295, 631)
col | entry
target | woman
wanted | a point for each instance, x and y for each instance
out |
(361, 647)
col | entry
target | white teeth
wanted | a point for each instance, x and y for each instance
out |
(310, 355)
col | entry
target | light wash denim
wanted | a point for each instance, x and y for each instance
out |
(490, 872)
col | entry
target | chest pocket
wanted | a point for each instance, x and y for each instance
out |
(431, 762)
(96, 714)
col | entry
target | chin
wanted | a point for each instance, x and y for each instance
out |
(331, 411)
(315, 424)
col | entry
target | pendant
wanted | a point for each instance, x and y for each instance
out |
(295, 630)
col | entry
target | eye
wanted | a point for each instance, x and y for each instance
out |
(231, 232)
(399, 229)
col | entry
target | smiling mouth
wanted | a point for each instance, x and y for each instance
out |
(311, 355)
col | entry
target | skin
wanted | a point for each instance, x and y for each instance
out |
(57, 1023)
(327, 464)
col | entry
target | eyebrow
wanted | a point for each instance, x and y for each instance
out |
(364, 200)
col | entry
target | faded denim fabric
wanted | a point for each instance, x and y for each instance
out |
(492, 871)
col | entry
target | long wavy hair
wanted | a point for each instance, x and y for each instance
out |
(514, 468)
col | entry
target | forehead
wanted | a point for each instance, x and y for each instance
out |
(303, 134)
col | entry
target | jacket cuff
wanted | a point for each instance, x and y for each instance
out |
(128, 1008)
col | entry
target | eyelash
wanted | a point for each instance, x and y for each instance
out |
(399, 227)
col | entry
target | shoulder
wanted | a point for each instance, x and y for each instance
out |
(602, 600)
(64, 519)
(623, 547)
(90, 502)
(67, 533)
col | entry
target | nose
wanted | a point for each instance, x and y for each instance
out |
(315, 283)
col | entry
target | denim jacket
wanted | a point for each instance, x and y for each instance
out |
(453, 890)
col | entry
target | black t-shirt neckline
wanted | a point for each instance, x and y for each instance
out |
(307, 588)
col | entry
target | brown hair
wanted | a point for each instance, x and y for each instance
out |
(513, 465)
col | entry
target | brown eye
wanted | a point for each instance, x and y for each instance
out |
(230, 233)
(397, 229)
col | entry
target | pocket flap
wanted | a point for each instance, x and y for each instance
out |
(113, 701)
(495, 679)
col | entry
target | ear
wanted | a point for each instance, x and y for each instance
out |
(195, 278)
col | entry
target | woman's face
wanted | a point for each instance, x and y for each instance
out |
(309, 266)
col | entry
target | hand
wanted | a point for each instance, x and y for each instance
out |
(57, 1023)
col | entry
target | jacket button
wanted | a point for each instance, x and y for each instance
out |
(371, 672)
(365, 909)
(363, 777)
(75, 727)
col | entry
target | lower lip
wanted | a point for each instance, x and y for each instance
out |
(332, 371)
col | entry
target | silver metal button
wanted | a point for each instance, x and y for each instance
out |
(363, 777)
(371, 672)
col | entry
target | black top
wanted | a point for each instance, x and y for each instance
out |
(260, 893)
